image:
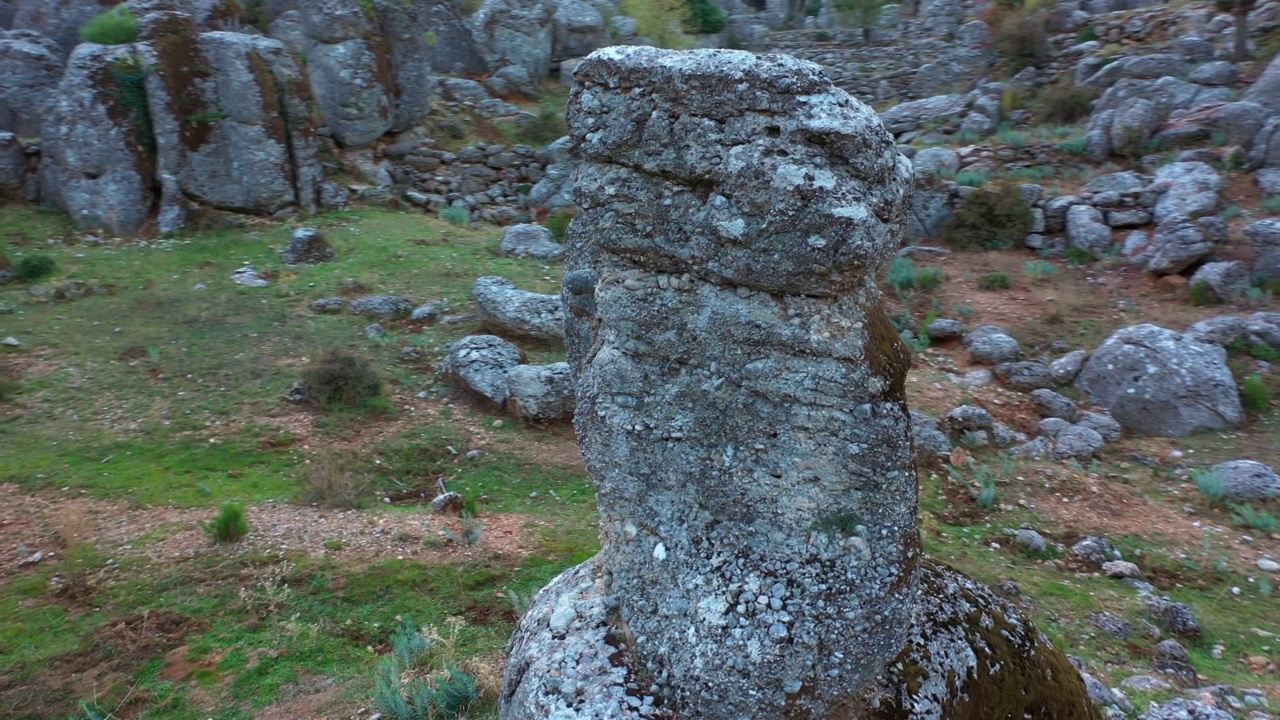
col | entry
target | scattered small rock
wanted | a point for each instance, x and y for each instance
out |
(449, 503)
(327, 305)
(1113, 625)
(307, 247)
(248, 277)
(1095, 550)
(1121, 569)
(387, 307)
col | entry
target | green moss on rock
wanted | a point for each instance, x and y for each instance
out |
(972, 656)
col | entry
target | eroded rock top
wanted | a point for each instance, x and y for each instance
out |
(741, 169)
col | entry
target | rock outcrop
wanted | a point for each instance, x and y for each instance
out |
(30, 70)
(741, 409)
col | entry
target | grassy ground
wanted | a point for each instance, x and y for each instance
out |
(144, 407)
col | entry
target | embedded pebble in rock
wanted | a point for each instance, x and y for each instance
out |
(382, 306)
(991, 345)
(741, 404)
(1054, 405)
(507, 309)
(1121, 569)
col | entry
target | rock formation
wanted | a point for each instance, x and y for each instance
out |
(741, 409)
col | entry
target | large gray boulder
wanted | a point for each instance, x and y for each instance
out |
(677, 330)
(515, 32)
(1158, 382)
(1264, 236)
(579, 29)
(508, 310)
(1086, 231)
(94, 158)
(480, 363)
(58, 20)
(529, 240)
(1247, 480)
(369, 64)
(1177, 243)
(30, 69)
(1190, 190)
(1265, 91)
(540, 392)
(911, 115)
(236, 136)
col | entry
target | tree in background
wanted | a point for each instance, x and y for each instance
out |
(705, 18)
(860, 14)
(661, 21)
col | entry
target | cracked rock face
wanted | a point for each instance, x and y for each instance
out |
(740, 390)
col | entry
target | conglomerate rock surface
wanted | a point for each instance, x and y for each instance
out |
(740, 391)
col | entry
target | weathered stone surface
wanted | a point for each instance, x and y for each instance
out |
(1159, 382)
(236, 135)
(1077, 441)
(1052, 404)
(1225, 280)
(59, 20)
(1086, 231)
(13, 165)
(991, 345)
(529, 240)
(1247, 480)
(515, 32)
(1024, 375)
(94, 162)
(382, 306)
(971, 655)
(480, 363)
(307, 246)
(30, 70)
(540, 392)
(1178, 243)
(507, 309)
(697, 233)
(578, 29)
(1191, 190)
(1265, 91)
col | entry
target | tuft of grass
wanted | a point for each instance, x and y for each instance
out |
(116, 26)
(1271, 205)
(230, 525)
(1200, 293)
(1037, 270)
(1254, 394)
(971, 178)
(459, 216)
(558, 224)
(1210, 485)
(1257, 351)
(1077, 146)
(902, 275)
(334, 480)
(995, 281)
(1077, 256)
(1260, 520)
(340, 377)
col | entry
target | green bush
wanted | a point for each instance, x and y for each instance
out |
(409, 686)
(928, 278)
(705, 18)
(339, 377)
(996, 216)
(1037, 270)
(459, 216)
(230, 526)
(1254, 394)
(35, 267)
(116, 26)
(1257, 351)
(1075, 146)
(1077, 256)
(995, 281)
(558, 224)
(1210, 485)
(1064, 104)
(902, 274)
(1022, 42)
(1201, 293)
(971, 178)
(1260, 520)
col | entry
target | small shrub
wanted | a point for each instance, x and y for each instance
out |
(1257, 297)
(1257, 351)
(962, 310)
(459, 216)
(662, 21)
(545, 127)
(1210, 485)
(1013, 138)
(1037, 270)
(971, 179)
(902, 274)
(1075, 146)
(333, 481)
(558, 224)
(1231, 213)
(1254, 394)
(1064, 103)
(1260, 520)
(928, 278)
(230, 526)
(996, 216)
(1201, 294)
(1077, 256)
(1022, 42)
(705, 18)
(35, 267)
(995, 281)
(116, 26)
(339, 377)
(1087, 34)
(418, 679)
(1271, 205)
(470, 532)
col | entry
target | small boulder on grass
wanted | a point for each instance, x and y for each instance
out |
(308, 247)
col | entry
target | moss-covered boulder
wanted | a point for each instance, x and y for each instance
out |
(972, 656)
